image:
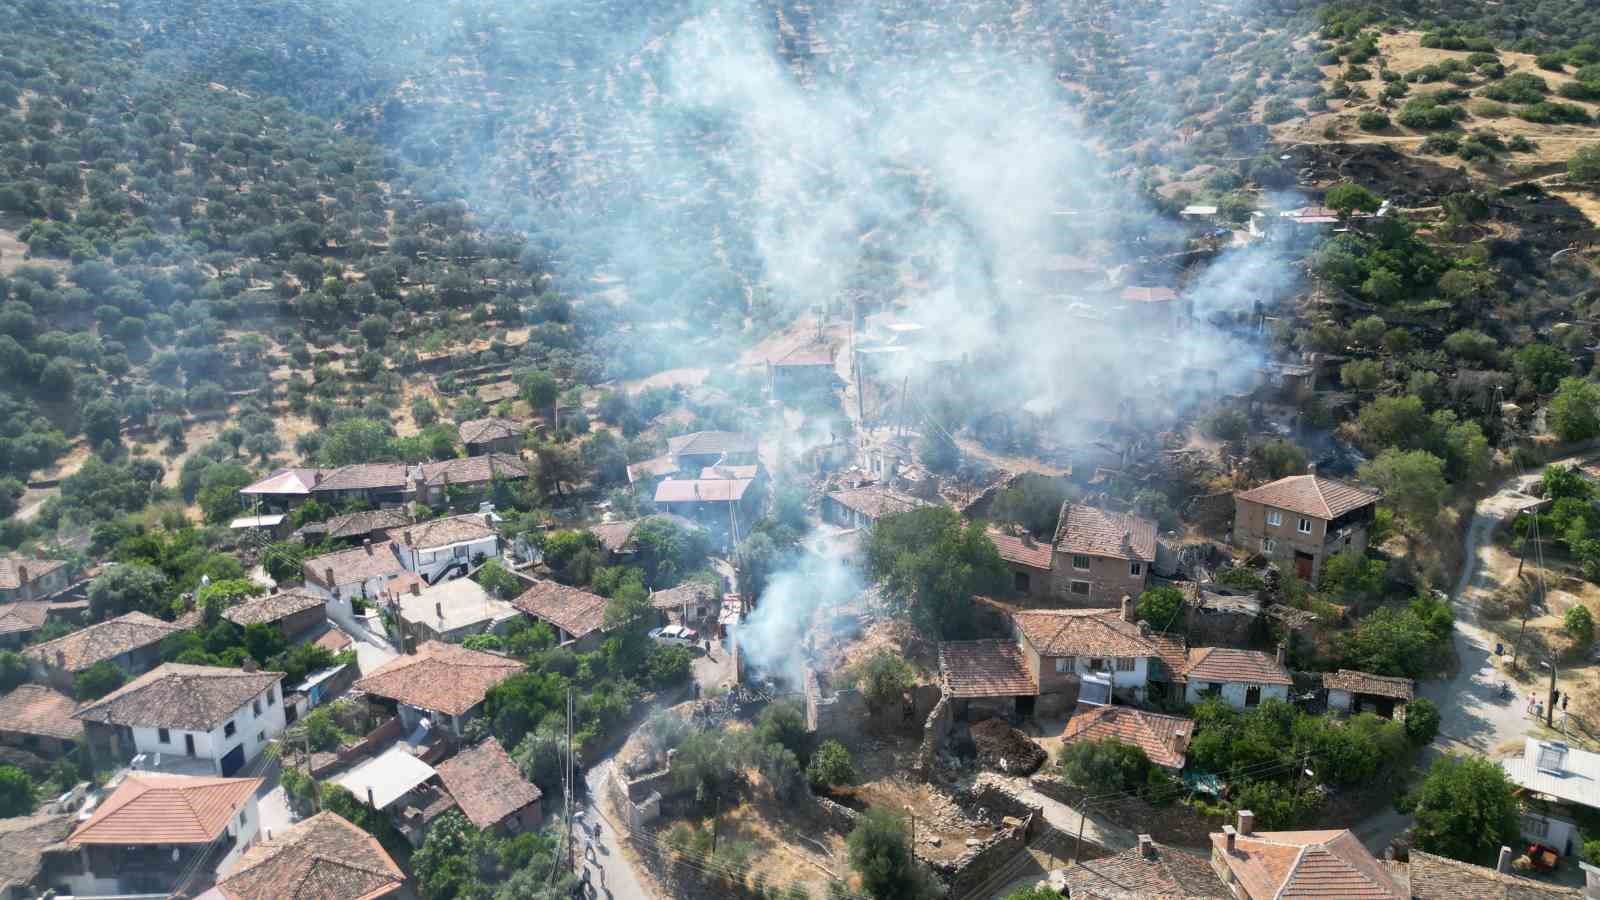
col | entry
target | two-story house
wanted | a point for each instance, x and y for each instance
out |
(1241, 678)
(293, 612)
(491, 435)
(1330, 864)
(448, 547)
(25, 578)
(198, 718)
(443, 683)
(1302, 520)
(283, 490)
(454, 481)
(344, 575)
(1091, 655)
(327, 856)
(131, 642)
(1101, 556)
(378, 483)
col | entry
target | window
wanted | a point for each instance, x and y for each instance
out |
(1305, 525)
(1081, 588)
(1098, 665)
(244, 816)
(1535, 826)
(1019, 582)
(1211, 689)
(1136, 569)
(1268, 545)
(1066, 664)
(1080, 562)
(261, 737)
(163, 735)
(272, 695)
(255, 707)
(460, 552)
(1125, 664)
(1252, 695)
(1274, 518)
(229, 729)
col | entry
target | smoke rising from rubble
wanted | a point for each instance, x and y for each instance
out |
(772, 637)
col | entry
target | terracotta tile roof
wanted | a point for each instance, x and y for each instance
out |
(440, 677)
(1095, 532)
(1224, 664)
(1148, 295)
(106, 640)
(364, 476)
(449, 530)
(176, 695)
(1306, 865)
(23, 842)
(615, 536)
(1438, 878)
(1022, 550)
(288, 482)
(273, 607)
(322, 858)
(989, 668)
(166, 809)
(36, 709)
(1165, 739)
(487, 784)
(11, 570)
(474, 470)
(875, 501)
(19, 618)
(334, 640)
(1174, 652)
(483, 431)
(656, 467)
(693, 593)
(702, 442)
(576, 612)
(1083, 632)
(1168, 873)
(1310, 495)
(365, 522)
(1364, 683)
(701, 490)
(804, 356)
(378, 560)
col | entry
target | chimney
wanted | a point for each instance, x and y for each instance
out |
(1230, 835)
(22, 574)
(327, 576)
(1503, 864)
(438, 610)
(1127, 542)
(371, 802)
(316, 478)
(1311, 468)
(1147, 846)
(61, 659)
(367, 543)
(1283, 653)
(407, 537)
(249, 664)
(1247, 822)
(1027, 539)
(416, 589)
(1127, 609)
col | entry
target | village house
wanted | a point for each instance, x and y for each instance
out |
(1355, 692)
(152, 831)
(863, 506)
(455, 481)
(378, 484)
(490, 789)
(20, 621)
(442, 683)
(1431, 877)
(1302, 520)
(1027, 559)
(367, 524)
(283, 490)
(576, 615)
(1152, 309)
(30, 848)
(38, 719)
(1164, 739)
(266, 527)
(694, 604)
(1240, 678)
(329, 857)
(293, 612)
(729, 496)
(491, 435)
(450, 611)
(804, 368)
(448, 547)
(1318, 865)
(345, 575)
(1149, 869)
(1101, 556)
(617, 538)
(700, 449)
(986, 678)
(197, 718)
(405, 788)
(1091, 656)
(1557, 779)
(131, 642)
(26, 579)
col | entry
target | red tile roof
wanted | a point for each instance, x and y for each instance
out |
(166, 809)
(353, 565)
(1168, 873)
(17, 618)
(486, 784)
(875, 501)
(1310, 495)
(1224, 664)
(440, 677)
(36, 709)
(1306, 865)
(1364, 683)
(1021, 549)
(1438, 878)
(322, 858)
(474, 470)
(1164, 739)
(1095, 532)
(274, 607)
(574, 611)
(483, 431)
(449, 530)
(364, 476)
(989, 668)
(107, 640)
(1083, 632)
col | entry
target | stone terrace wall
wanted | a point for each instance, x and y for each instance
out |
(975, 866)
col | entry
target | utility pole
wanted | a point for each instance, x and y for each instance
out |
(1550, 697)
(1077, 847)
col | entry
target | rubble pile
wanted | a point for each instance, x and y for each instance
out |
(1006, 749)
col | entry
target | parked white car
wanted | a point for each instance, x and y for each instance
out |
(675, 634)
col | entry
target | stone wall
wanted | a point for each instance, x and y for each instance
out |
(844, 713)
(934, 732)
(842, 819)
(975, 867)
(638, 802)
(1171, 824)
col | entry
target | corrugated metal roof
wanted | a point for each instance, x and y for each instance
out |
(1576, 781)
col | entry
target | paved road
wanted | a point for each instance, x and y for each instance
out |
(610, 873)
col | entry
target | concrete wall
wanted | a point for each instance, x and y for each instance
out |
(1108, 579)
(1234, 693)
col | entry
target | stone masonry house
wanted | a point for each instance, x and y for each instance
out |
(373, 524)
(39, 719)
(293, 612)
(862, 507)
(1302, 520)
(1091, 655)
(23, 578)
(1313, 865)
(577, 616)
(1101, 556)
(198, 718)
(1242, 678)
(343, 575)
(692, 603)
(695, 451)
(1357, 692)
(1149, 870)
(1433, 877)
(379, 484)
(283, 490)
(1028, 560)
(441, 682)
(19, 621)
(432, 483)
(491, 435)
(1164, 739)
(324, 857)
(31, 849)
(986, 677)
(490, 789)
(131, 642)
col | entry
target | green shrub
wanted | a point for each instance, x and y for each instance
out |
(1422, 721)
(1372, 120)
(831, 765)
(1579, 625)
